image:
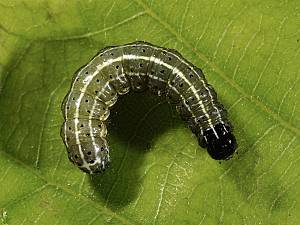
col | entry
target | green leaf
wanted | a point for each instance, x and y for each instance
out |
(249, 50)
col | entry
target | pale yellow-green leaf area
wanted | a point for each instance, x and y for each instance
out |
(249, 51)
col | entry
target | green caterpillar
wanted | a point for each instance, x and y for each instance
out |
(139, 66)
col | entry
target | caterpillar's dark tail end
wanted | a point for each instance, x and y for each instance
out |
(220, 142)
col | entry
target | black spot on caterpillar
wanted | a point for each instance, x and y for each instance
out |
(139, 66)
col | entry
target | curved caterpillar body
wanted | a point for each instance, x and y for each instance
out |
(139, 66)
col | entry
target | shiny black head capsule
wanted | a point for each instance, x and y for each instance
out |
(220, 142)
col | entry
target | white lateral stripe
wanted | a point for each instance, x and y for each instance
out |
(91, 129)
(65, 128)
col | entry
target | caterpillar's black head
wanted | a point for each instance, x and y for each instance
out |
(220, 142)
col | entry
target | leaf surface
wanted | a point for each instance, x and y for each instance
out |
(250, 53)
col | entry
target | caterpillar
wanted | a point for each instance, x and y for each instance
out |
(139, 66)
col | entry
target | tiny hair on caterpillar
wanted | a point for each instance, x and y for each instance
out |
(139, 66)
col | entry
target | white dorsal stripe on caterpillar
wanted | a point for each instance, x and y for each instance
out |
(139, 66)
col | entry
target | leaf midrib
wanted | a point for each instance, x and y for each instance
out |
(49, 183)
